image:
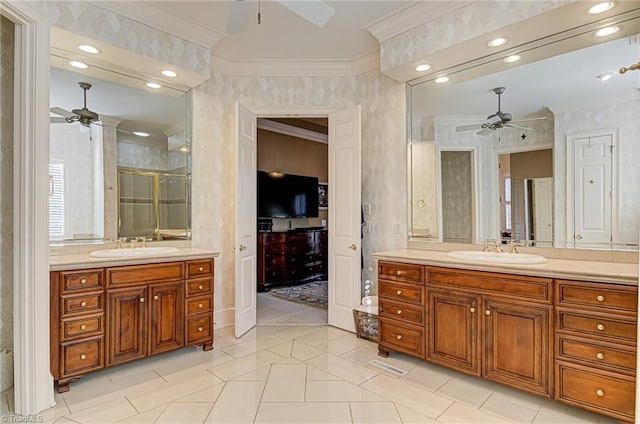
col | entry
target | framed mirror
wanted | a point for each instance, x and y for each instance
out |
(549, 145)
(126, 173)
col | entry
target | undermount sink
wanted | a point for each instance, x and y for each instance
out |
(138, 252)
(497, 257)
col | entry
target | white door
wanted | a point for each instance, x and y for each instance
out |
(543, 211)
(518, 210)
(344, 216)
(592, 191)
(246, 221)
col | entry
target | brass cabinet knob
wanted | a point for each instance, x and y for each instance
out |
(83, 327)
(142, 300)
(600, 392)
(83, 356)
(398, 272)
(398, 291)
(600, 327)
(399, 337)
(600, 298)
(83, 303)
(200, 287)
(83, 281)
(156, 297)
(200, 305)
(200, 268)
(472, 310)
(487, 312)
(399, 312)
(200, 329)
(600, 355)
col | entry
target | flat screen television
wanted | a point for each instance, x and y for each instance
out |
(287, 195)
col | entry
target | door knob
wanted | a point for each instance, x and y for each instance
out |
(353, 247)
(578, 237)
(243, 247)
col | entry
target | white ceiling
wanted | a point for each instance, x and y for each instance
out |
(283, 35)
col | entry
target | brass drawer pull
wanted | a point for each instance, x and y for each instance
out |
(83, 303)
(142, 300)
(156, 297)
(83, 356)
(398, 272)
(200, 268)
(200, 329)
(600, 298)
(398, 291)
(200, 287)
(83, 327)
(399, 312)
(600, 355)
(83, 281)
(399, 337)
(472, 310)
(200, 305)
(600, 327)
(600, 392)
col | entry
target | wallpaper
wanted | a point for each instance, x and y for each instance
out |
(6, 184)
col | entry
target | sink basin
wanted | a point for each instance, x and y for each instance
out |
(497, 258)
(138, 252)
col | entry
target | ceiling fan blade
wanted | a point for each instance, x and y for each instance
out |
(484, 131)
(528, 119)
(117, 129)
(468, 127)
(238, 17)
(520, 128)
(60, 111)
(57, 120)
(314, 11)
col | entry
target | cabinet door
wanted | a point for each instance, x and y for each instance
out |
(453, 330)
(517, 338)
(126, 324)
(166, 317)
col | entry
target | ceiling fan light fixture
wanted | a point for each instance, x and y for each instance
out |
(601, 7)
(141, 133)
(603, 32)
(441, 80)
(78, 65)
(153, 85)
(512, 58)
(497, 42)
(423, 67)
(169, 73)
(605, 77)
(87, 48)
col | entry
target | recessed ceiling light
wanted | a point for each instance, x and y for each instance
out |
(441, 80)
(423, 67)
(78, 65)
(169, 73)
(141, 134)
(88, 49)
(605, 77)
(497, 42)
(607, 31)
(184, 149)
(512, 58)
(153, 85)
(601, 7)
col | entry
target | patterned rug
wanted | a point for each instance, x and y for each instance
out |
(313, 293)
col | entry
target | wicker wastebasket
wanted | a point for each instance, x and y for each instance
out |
(366, 320)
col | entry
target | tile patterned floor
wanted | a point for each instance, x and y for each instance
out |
(294, 373)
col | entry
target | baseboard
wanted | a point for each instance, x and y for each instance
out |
(224, 318)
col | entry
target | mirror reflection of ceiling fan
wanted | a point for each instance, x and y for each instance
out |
(498, 120)
(315, 11)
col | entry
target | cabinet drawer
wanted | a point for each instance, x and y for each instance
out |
(601, 354)
(81, 303)
(196, 287)
(141, 274)
(200, 304)
(90, 279)
(401, 311)
(199, 268)
(199, 328)
(301, 239)
(602, 296)
(524, 288)
(402, 292)
(271, 261)
(80, 357)
(401, 338)
(620, 328)
(82, 327)
(600, 392)
(396, 271)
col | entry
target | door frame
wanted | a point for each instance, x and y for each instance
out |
(570, 177)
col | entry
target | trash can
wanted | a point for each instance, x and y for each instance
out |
(366, 319)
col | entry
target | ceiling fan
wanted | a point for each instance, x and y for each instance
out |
(498, 120)
(315, 11)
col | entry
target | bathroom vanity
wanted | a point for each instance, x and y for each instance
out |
(109, 312)
(566, 330)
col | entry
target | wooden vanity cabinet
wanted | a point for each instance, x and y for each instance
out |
(109, 316)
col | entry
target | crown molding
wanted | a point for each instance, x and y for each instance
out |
(150, 14)
(295, 68)
(282, 128)
(412, 17)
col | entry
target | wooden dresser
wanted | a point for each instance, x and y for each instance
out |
(291, 257)
(105, 316)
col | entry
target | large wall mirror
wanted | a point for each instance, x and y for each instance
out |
(128, 173)
(543, 151)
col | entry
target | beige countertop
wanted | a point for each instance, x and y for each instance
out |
(83, 260)
(608, 272)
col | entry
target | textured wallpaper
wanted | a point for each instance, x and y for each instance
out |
(6, 184)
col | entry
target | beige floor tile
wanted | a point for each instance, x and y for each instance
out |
(467, 390)
(409, 416)
(190, 373)
(244, 365)
(220, 343)
(339, 391)
(280, 413)
(208, 395)
(289, 361)
(237, 403)
(295, 331)
(328, 332)
(303, 351)
(420, 400)
(253, 346)
(283, 349)
(557, 413)
(314, 374)
(257, 375)
(52, 414)
(108, 412)
(148, 417)
(429, 376)
(374, 412)
(527, 400)
(285, 383)
(185, 413)
(79, 398)
(311, 339)
(64, 420)
(464, 414)
(342, 368)
(341, 345)
(503, 407)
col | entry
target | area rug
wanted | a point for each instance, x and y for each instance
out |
(313, 293)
